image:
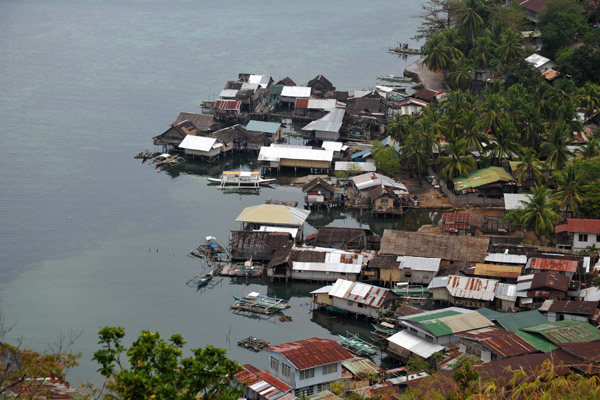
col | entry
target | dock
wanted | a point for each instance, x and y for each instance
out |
(253, 344)
(255, 270)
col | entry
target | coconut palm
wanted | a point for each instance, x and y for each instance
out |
(462, 74)
(589, 98)
(571, 182)
(473, 135)
(469, 20)
(555, 147)
(456, 160)
(484, 51)
(492, 113)
(539, 215)
(590, 149)
(529, 167)
(510, 47)
(399, 126)
(435, 51)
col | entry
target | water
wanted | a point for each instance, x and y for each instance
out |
(92, 237)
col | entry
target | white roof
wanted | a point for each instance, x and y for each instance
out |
(323, 267)
(324, 289)
(421, 347)
(472, 288)
(458, 310)
(514, 201)
(590, 294)
(334, 146)
(266, 228)
(537, 60)
(331, 122)
(276, 153)
(419, 263)
(362, 93)
(200, 143)
(359, 292)
(438, 282)
(506, 258)
(295, 91)
(506, 291)
(228, 93)
(367, 166)
(262, 80)
(368, 180)
(250, 86)
(384, 89)
(323, 104)
(524, 284)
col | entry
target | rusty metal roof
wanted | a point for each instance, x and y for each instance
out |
(499, 271)
(453, 222)
(566, 331)
(570, 307)
(471, 288)
(552, 264)
(550, 279)
(505, 344)
(577, 225)
(228, 105)
(262, 382)
(360, 292)
(361, 367)
(313, 352)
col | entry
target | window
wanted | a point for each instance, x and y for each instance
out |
(413, 330)
(286, 370)
(350, 303)
(583, 237)
(307, 373)
(329, 369)
(384, 202)
(309, 391)
(360, 305)
(429, 337)
(274, 364)
(323, 386)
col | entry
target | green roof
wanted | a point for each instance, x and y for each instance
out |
(437, 328)
(275, 90)
(490, 314)
(514, 321)
(566, 331)
(537, 341)
(481, 177)
(261, 126)
(427, 317)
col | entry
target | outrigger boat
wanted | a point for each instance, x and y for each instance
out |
(210, 249)
(241, 179)
(257, 300)
(167, 159)
(200, 280)
(355, 345)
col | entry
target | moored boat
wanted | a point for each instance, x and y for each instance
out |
(257, 300)
(357, 346)
(241, 179)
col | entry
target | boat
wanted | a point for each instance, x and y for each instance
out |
(407, 292)
(144, 155)
(167, 159)
(200, 280)
(241, 179)
(383, 329)
(255, 299)
(356, 345)
(395, 78)
(210, 249)
(403, 49)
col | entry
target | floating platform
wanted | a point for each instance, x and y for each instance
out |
(254, 270)
(405, 51)
(253, 344)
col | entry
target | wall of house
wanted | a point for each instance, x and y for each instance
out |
(325, 135)
(582, 240)
(322, 299)
(356, 307)
(211, 153)
(474, 348)
(321, 276)
(319, 379)
(384, 203)
(554, 316)
(417, 277)
(390, 275)
(440, 294)
(276, 371)
(504, 305)
(424, 334)
(286, 162)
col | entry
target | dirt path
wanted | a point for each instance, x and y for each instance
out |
(429, 79)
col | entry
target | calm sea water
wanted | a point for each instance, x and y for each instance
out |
(92, 237)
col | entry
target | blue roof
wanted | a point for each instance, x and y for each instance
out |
(362, 154)
(260, 126)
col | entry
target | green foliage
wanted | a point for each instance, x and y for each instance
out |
(589, 207)
(337, 388)
(539, 214)
(416, 364)
(561, 23)
(156, 368)
(386, 159)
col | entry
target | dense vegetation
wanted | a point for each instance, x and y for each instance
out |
(517, 115)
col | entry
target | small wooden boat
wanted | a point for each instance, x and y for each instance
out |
(394, 78)
(241, 179)
(144, 155)
(356, 345)
(383, 329)
(210, 249)
(255, 299)
(200, 280)
(403, 49)
(170, 161)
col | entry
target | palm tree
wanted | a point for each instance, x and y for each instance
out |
(492, 113)
(555, 147)
(510, 47)
(505, 143)
(590, 149)
(529, 167)
(462, 75)
(589, 98)
(539, 215)
(399, 126)
(456, 162)
(484, 51)
(571, 183)
(473, 134)
(436, 54)
(469, 20)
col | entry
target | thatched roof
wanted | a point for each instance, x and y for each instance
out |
(347, 238)
(203, 122)
(287, 81)
(365, 104)
(259, 241)
(417, 244)
(386, 262)
(317, 182)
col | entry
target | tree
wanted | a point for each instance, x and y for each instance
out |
(529, 167)
(386, 158)
(561, 24)
(469, 19)
(589, 98)
(462, 74)
(589, 206)
(400, 126)
(417, 364)
(538, 215)
(570, 182)
(510, 47)
(436, 16)
(456, 162)
(555, 148)
(156, 368)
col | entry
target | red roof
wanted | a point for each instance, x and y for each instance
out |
(453, 222)
(571, 307)
(553, 264)
(575, 225)
(534, 5)
(313, 352)
(302, 103)
(505, 344)
(252, 375)
(550, 279)
(227, 105)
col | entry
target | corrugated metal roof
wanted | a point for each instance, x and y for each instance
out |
(472, 288)
(438, 282)
(334, 146)
(536, 60)
(324, 289)
(499, 271)
(578, 225)
(506, 291)
(199, 143)
(481, 177)
(276, 214)
(276, 153)
(331, 122)
(250, 86)
(262, 80)
(537, 341)
(327, 267)
(566, 331)
(506, 258)
(359, 292)
(228, 105)
(552, 264)
(295, 91)
(228, 93)
(570, 307)
(313, 352)
(415, 344)
(455, 221)
(505, 344)
(436, 314)
(516, 201)
(261, 126)
(371, 179)
(262, 382)
(361, 366)
(419, 263)
(323, 104)
(456, 323)
(362, 166)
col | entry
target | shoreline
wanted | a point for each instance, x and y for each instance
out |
(425, 77)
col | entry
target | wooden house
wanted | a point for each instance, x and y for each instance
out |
(320, 86)
(278, 156)
(318, 192)
(236, 138)
(461, 223)
(385, 201)
(490, 344)
(559, 310)
(260, 385)
(227, 108)
(345, 238)
(258, 245)
(363, 371)
(308, 366)
(414, 270)
(289, 95)
(381, 193)
(578, 234)
(327, 127)
(463, 291)
(206, 148)
(360, 298)
(274, 215)
(271, 130)
(534, 289)
(490, 182)
(564, 265)
(504, 273)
